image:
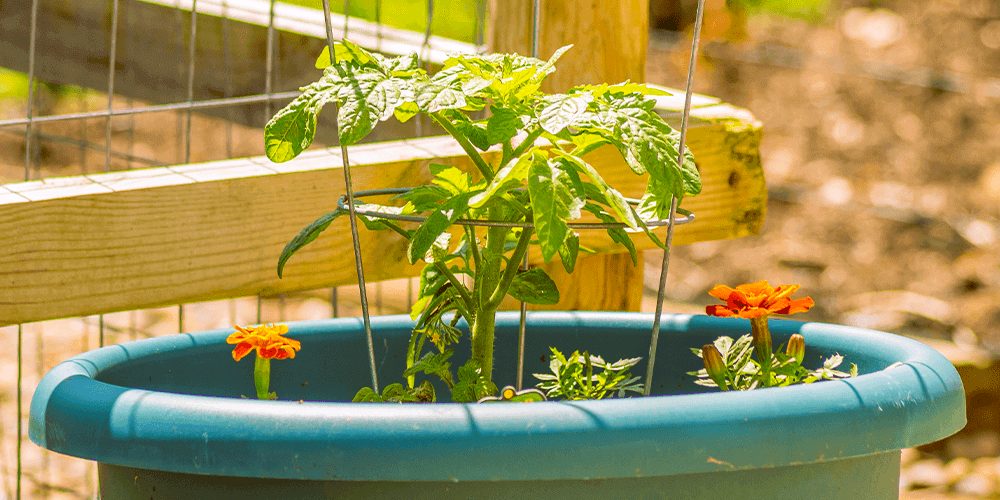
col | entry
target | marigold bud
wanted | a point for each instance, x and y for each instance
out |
(715, 366)
(796, 348)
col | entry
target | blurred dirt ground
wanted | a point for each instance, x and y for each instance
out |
(882, 156)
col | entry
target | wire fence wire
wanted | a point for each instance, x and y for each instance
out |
(113, 328)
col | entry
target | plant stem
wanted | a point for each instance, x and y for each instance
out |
(470, 234)
(477, 159)
(511, 270)
(762, 346)
(482, 341)
(262, 376)
(525, 144)
(462, 291)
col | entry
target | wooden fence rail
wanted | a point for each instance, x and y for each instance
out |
(119, 241)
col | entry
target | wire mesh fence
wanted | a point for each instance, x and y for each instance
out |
(70, 126)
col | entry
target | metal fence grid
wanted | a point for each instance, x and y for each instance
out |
(102, 132)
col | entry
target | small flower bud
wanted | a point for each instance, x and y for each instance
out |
(796, 348)
(715, 366)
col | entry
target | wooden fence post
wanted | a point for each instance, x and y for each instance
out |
(609, 45)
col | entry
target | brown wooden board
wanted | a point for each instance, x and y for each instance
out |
(119, 241)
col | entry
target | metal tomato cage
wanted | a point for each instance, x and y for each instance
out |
(673, 220)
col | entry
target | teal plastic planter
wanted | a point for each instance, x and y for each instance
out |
(165, 420)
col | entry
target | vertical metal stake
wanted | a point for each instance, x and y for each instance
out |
(111, 86)
(354, 221)
(27, 136)
(522, 324)
(269, 64)
(699, 18)
(20, 426)
(190, 94)
(228, 49)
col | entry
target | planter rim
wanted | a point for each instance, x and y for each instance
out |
(918, 402)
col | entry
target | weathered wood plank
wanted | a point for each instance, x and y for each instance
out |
(151, 63)
(146, 238)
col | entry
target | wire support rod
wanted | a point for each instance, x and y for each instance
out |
(269, 64)
(181, 106)
(111, 85)
(522, 325)
(20, 426)
(192, 45)
(699, 20)
(354, 221)
(29, 120)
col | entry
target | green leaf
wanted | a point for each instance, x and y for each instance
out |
(291, 130)
(511, 176)
(367, 395)
(346, 51)
(502, 126)
(620, 88)
(560, 111)
(550, 65)
(402, 65)
(433, 97)
(437, 222)
(367, 97)
(569, 252)
(614, 199)
(556, 197)
(534, 286)
(471, 385)
(646, 142)
(305, 236)
(618, 235)
(405, 111)
(475, 132)
(425, 198)
(453, 179)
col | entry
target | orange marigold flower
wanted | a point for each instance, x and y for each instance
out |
(754, 300)
(266, 340)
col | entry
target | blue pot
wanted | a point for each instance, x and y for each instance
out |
(164, 418)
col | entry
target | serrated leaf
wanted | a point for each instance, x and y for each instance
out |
(511, 176)
(366, 98)
(648, 144)
(366, 395)
(425, 198)
(502, 126)
(550, 65)
(569, 251)
(346, 51)
(437, 222)
(405, 111)
(292, 129)
(553, 203)
(618, 235)
(475, 132)
(433, 97)
(560, 111)
(403, 64)
(453, 179)
(307, 235)
(614, 199)
(534, 286)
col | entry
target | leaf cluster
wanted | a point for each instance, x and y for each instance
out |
(573, 377)
(536, 176)
(743, 373)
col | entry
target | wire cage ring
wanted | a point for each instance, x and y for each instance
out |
(342, 205)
